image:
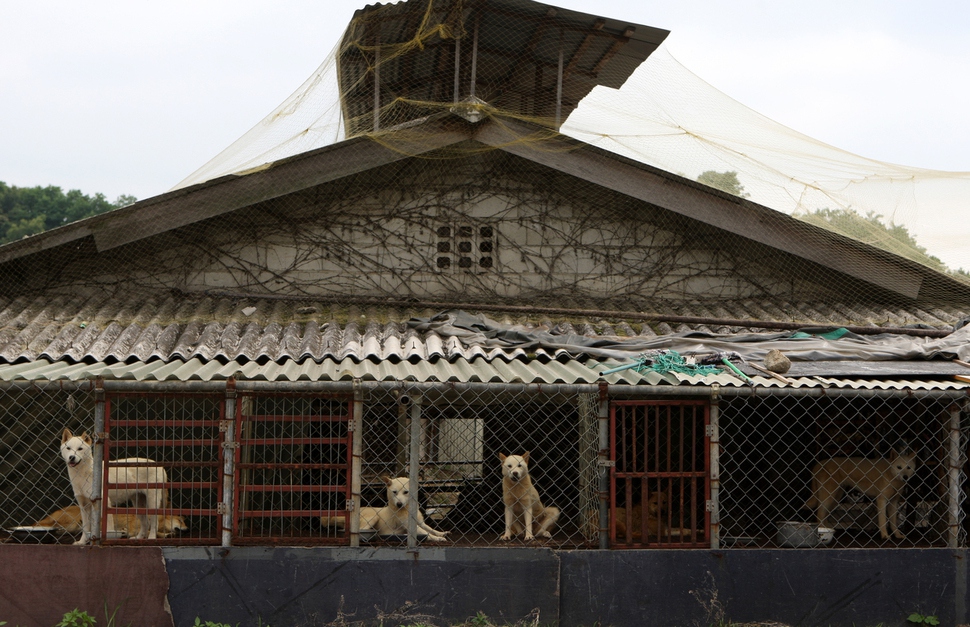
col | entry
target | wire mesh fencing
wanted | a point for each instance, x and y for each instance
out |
(488, 465)
(845, 471)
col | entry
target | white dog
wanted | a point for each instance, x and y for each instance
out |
(392, 519)
(76, 451)
(523, 509)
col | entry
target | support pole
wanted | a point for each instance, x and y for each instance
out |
(559, 85)
(457, 66)
(603, 467)
(229, 444)
(377, 81)
(474, 60)
(99, 490)
(713, 430)
(955, 463)
(357, 446)
(414, 462)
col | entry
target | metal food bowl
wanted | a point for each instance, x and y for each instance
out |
(802, 534)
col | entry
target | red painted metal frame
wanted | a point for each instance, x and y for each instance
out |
(624, 456)
(347, 465)
(110, 421)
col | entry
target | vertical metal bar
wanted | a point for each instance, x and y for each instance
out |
(377, 78)
(99, 487)
(357, 447)
(953, 531)
(713, 441)
(603, 466)
(613, 429)
(457, 65)
(413, 464)
(559, 84)
(229, 445)
(474, 76)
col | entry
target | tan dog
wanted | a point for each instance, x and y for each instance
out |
(76, 451)
(392, 519)
(523, 509)
(68, 520)
(880, 479)
(656, 504)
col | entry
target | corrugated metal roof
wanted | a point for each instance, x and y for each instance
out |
(109, 328)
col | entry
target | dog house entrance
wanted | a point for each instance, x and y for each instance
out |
(659, 485)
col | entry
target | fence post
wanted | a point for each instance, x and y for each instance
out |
(953, 531)
(97, 452)
(713, 431)
(228, 462)
(603, 467)
(414, 455)
(357, 450)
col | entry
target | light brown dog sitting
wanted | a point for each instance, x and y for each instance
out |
(68, 520)
(524, 511)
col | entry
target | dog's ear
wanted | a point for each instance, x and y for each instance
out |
(501, 457)
(525, 457)
(386, 479)
(66, 435)
(86, 438)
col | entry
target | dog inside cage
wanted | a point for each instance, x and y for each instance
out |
(792, 471)
(854, 472)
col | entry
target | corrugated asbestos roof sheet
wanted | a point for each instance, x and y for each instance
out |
(210, 328)
(479, 371)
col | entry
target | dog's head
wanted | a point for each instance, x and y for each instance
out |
(904, 464)
(656, 503)
(75, 448)
(515, 467)
(398, 491)
(171, 525)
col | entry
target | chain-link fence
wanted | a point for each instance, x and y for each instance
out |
(393, 464)
(858, 471)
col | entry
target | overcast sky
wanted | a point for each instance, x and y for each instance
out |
(130, 97)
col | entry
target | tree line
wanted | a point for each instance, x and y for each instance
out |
(27, 211)
(867, 228)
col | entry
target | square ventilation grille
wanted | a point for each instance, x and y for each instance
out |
(466, 248)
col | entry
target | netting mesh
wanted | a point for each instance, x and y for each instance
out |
(399, 64)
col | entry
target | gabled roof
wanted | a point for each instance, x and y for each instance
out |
(664, 190)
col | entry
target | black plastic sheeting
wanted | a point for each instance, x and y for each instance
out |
(805, 346)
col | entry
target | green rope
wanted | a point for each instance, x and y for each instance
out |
(672, 361)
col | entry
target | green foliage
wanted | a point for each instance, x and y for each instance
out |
(921, 619)
(30, 210)
(724, 181)
(479, 620)
(870, 229)
(209, 623)
(77, 618)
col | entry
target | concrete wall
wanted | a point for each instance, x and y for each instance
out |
(287, 587)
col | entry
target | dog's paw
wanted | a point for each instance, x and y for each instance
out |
(543, 534)
(506, 537)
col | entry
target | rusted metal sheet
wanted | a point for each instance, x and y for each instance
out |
(38, 584)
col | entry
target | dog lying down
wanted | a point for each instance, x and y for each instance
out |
(68, 520)
(392, 519)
